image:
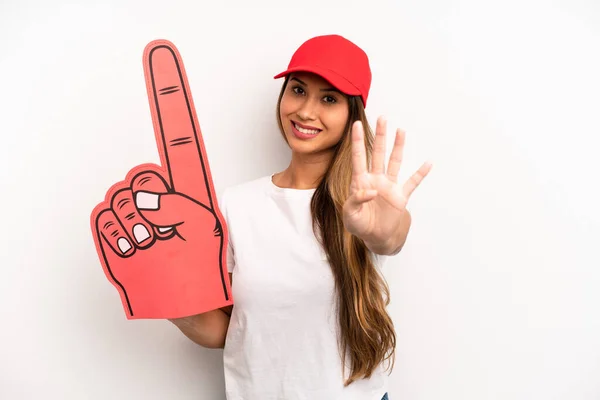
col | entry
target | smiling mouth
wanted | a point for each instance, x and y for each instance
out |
(304, 130)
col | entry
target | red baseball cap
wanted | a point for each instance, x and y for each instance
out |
(336, 59)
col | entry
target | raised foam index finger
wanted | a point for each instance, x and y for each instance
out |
(175, 122)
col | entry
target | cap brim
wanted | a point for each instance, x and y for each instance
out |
(336, 80)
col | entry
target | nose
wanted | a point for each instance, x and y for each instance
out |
(308, 111)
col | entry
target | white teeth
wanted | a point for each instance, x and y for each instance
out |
(307, 131)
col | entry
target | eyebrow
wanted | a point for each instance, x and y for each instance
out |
(331, 89)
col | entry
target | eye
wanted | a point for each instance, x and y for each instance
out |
(330, 99)
(298, 90)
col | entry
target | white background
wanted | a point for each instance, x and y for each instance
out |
(495, 295)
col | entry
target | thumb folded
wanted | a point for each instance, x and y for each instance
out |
(167, 209)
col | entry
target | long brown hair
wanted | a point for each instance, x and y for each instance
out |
(367, 335)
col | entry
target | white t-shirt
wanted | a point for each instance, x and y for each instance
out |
(282, 337)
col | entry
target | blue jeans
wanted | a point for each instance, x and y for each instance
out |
(385, 397)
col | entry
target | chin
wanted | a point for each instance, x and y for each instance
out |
(308, 148)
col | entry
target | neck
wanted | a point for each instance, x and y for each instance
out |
(304, 172)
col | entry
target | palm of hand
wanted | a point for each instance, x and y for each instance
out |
(377, 203)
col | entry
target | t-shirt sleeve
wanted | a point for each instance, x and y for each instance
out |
(223, 206)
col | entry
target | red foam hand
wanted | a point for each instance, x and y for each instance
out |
(160, 235)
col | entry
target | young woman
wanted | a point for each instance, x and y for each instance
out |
(307, 244)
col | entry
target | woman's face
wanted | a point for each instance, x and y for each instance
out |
(313, 114)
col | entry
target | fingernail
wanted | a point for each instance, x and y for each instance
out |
(124, 245)
(163, 230)
(146, 201)
(140, 232)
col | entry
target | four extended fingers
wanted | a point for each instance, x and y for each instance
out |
(359, 157)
